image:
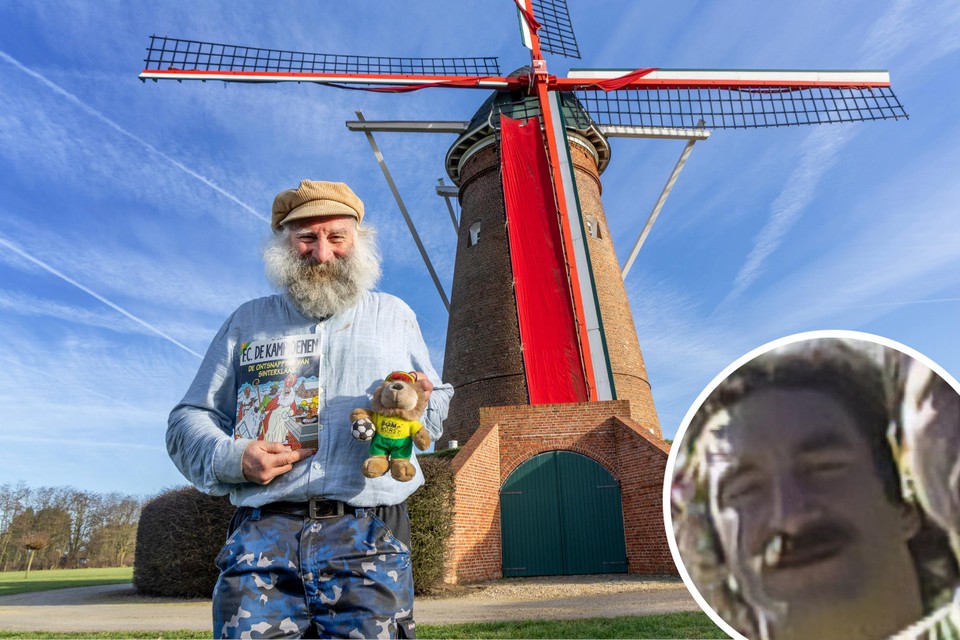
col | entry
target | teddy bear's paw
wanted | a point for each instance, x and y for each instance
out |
(402, 470)
(421, 439)
(375, 467)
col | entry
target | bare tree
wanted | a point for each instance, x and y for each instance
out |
(114, 526)
(13, 500)
(101, 527)
(81, 507)
(55, 522)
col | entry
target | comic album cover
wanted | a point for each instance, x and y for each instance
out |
(277, 396)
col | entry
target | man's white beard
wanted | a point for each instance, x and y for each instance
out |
(321, 290)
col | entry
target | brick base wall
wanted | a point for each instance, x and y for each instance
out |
(642, 460)
(474, 550)
(632, 453)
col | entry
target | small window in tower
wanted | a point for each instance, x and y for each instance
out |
(593, 226)
(474, 234)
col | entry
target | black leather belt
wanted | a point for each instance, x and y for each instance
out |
(315, 508)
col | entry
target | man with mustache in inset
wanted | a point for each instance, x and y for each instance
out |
(801, 502)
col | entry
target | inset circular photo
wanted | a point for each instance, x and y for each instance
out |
(813, 491)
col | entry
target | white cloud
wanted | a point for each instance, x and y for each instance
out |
(682, 350)
(908, 252)
(30, 305)
(63, 93)
(97, 443)
(79, 401)
(819, 152)
(40, 263)
(917, 31)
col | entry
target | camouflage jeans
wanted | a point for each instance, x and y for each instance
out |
(291, 576)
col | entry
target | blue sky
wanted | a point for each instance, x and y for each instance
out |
(131, 214)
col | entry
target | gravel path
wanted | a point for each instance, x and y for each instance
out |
(118, 608)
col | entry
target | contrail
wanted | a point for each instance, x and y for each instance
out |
(820, 151)
(46, 267)
(116, 127)
(900, 303)
(46, 374)
(898, 30)
(101, 443)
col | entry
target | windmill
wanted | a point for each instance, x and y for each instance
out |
(561, 319)
(552, 398)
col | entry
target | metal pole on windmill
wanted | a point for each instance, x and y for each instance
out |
(406, 215)
(667, 188)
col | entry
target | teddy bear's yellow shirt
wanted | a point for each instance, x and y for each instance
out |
(395, 427)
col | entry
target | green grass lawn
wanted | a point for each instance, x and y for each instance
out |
(12, 582)
(673, 625)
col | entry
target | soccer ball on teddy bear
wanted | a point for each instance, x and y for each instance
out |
(398, 404)
(363, 429)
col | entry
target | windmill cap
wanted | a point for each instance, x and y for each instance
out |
(315, 199)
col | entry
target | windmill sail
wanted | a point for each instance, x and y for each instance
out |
(736, 99)
(547, 23)
(556, 32)
(179, 59)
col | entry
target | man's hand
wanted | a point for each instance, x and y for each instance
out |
(263, 461)
(423, 382)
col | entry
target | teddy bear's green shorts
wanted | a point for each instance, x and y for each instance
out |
(393, 447)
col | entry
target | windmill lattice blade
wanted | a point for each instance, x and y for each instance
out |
(740, 108)
(556, 31)
(191, 55)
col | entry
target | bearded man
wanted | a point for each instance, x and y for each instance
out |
(315, 548)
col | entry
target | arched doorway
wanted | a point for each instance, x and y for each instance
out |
(561, 514)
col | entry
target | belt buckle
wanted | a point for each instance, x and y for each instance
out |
(319, 508)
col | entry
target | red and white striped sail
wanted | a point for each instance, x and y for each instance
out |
(725, 78)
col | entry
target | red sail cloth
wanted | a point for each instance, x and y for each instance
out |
(528, 14)
(614, 84)
(468, 82)
(551, 348)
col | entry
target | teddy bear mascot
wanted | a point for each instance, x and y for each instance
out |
(393, 427)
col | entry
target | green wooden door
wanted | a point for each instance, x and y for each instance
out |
(560, 514)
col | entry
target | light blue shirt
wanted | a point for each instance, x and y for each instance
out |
(359, 347)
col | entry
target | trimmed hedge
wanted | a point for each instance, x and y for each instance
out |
(180, 534)
(431, 522)
(182, 530)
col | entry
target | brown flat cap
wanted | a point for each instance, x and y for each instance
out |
(315, 199)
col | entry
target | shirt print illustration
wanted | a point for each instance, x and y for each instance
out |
(277, 395)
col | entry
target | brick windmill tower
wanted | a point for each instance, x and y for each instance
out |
(487, 358)
(562, 462)
(538, 451)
